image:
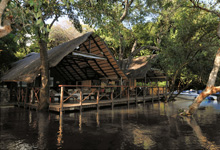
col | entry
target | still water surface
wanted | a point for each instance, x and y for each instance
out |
(150, 126)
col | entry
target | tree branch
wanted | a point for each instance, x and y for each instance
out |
(196, 5)
(127, 5)
(3, 5)
(218, 30)
(53, 22)
(134, 46)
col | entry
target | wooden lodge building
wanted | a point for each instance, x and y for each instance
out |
(83, 73)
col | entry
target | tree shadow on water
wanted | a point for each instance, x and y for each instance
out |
(198, 133)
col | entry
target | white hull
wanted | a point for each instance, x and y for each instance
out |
(187, 96)
(193, 96)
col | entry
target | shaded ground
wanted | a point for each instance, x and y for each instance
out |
(149, 126)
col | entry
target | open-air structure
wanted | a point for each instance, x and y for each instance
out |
(83, 73)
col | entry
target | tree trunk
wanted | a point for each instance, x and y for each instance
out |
(44, 91)
(121, 51)
(6, 28)
(210, 87)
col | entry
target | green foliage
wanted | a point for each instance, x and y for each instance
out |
(104, 16)
(31, 21)
(8, 48)
(189, 45)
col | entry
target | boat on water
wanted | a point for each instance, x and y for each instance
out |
(192, 94)
(188, 94)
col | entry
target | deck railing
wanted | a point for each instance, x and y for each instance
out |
(110, 92)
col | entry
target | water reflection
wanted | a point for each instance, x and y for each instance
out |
(97, 119)
(198, 132)
(149, 126)
(43, 123)
(60, 132)
(80, 122)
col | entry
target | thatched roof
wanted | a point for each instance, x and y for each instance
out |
(96, 56)
(141, 67)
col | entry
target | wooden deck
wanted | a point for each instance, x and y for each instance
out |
(91, 104)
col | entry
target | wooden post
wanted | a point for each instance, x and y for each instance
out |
(61, 98)
(158, 92)
(166, 90)
(19, 94)
(144, 88)
(112, 98)
(128, 95)
(136, 95)
(121, 88)
(152, 94)
(32, 95)
(80, 98)
(97, 99)
(26, 96)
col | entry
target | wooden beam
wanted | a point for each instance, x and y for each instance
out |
(68, 71)
(80, 69)
(105, 56)
(62, 74)
(73, 69)
(97, 63)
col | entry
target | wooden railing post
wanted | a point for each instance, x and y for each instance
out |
(144, 92)
(158, 90)
(166, 90)
(32, 96)
(128, 96)
(152, 94)
(80, 98)
(61, 98)
(112, 98)
(26, 96)
(97, 98)
(136, 95)
(121, 88)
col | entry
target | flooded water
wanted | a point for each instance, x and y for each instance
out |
(150, 126)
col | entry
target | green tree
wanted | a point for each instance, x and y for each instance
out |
(210, 86)
(114, 22)
(8, 48)
(30, 17)
(183, 37)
